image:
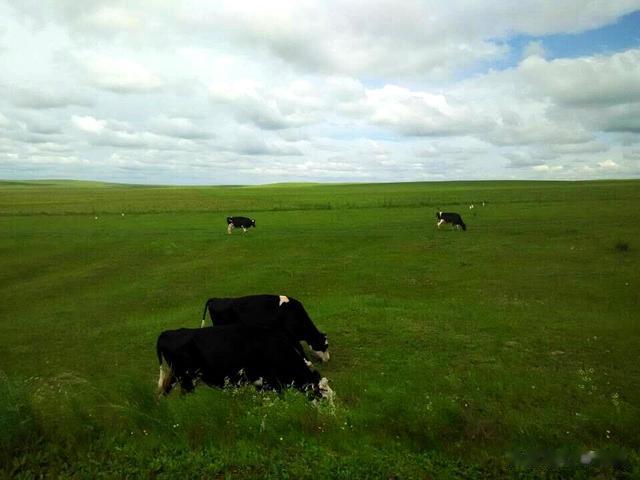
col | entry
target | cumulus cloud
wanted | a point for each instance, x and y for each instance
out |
(422, 113)
(522, 160)
(120, 75)
(46, 98)
(180, 127)
(297, 90)
(585, 82)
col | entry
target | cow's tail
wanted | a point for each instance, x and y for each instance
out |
(165, 380)
(204, 314)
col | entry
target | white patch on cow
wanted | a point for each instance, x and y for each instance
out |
(283, 299)
(161, 378)
(440, 222)
(165, 379)
(325, 390)
(229, 228)
(309, 364)
(258, 382)
(324, 356)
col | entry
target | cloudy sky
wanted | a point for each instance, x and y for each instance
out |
(243, 92)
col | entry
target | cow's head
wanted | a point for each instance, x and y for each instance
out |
(320, 347)
(253, 222)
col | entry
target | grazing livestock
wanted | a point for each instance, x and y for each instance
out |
(235, 354)
(270, 311)
(452, 218)
(240, 222)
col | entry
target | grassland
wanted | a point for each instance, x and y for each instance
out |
(509, 350)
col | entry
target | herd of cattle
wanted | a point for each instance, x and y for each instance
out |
(254, 339)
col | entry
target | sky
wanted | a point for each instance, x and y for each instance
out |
(253, 92)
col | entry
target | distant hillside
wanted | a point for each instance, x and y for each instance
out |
(57, 183)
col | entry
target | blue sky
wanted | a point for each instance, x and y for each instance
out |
(621, 35)
(156, 91)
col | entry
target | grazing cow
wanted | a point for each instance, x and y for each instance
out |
(241, 222)
(279, 311)
(235, 354)
(452, 218)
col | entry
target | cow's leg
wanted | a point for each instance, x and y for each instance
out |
(166, 380)
(244, 230)
(187, 384)
(229, 228)
(325, 390)
(440, 222)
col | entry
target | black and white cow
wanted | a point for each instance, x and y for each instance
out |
(449, 217)
(279, 311)
(240, 222)
(233, 355)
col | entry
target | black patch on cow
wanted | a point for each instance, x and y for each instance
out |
(267, 312)
(234, 354)
(241, 222)
(452, 218)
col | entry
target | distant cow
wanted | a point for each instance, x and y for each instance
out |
(235, 354)
(240, 222)
(452, 218)
(279, 311)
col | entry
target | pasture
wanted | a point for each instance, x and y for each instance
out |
(508, 350)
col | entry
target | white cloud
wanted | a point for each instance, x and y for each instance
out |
(119, 75)
(111, 18)
(608, 164)
(589, 81)
(180, 127)
(297, 90)
(88, 124)
(547, 168)
(46, 97)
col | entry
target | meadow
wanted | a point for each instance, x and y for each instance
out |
(507, 351)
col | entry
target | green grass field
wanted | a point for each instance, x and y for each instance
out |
(508, 350)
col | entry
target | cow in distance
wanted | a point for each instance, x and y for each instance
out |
(240, 222)
(452, 218)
